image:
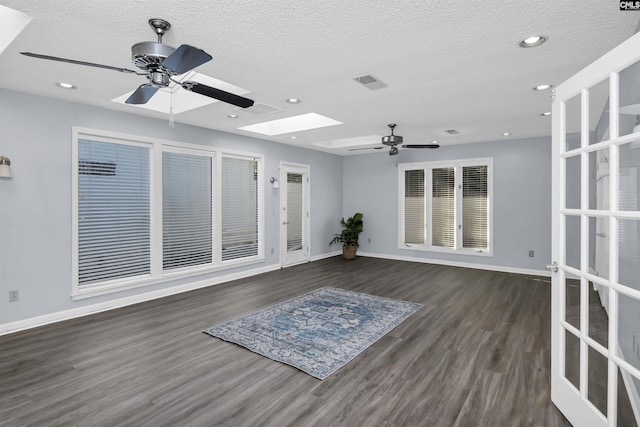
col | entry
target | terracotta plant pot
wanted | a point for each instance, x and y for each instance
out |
(349, 251)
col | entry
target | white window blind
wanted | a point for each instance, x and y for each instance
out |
(443, 205)
(239, 208)
(187, 216)
(295, 212)
(149, 210)
(113, 211)
(474, 206)
(414, 205)
(446, 206)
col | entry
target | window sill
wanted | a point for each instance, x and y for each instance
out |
(471, 252)
(144, 281)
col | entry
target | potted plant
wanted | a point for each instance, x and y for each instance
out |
(351, 229)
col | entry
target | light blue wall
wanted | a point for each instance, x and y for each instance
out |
(521, 207)
(35, 205)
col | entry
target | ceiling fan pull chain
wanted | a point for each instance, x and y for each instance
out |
(171, 122)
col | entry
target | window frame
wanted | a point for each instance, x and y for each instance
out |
(158, 275)
(428, 167)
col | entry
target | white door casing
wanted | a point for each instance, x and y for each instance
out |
(294, 213)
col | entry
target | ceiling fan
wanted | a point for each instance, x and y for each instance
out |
(394, 141)
(160, 63)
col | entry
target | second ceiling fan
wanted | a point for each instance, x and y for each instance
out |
(394, 141)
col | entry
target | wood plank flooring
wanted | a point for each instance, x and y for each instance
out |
(476, 354)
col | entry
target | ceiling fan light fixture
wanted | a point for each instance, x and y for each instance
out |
(393, 150)
(392, 139)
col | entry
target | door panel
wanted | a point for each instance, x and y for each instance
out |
(595, 355)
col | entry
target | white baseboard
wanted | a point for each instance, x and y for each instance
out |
(489, 267)
(323, 256)
(33, 322)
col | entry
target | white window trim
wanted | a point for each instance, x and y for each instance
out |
(158, 275)
(428, 166)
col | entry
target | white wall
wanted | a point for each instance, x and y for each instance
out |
(35, 205)
(521, 206)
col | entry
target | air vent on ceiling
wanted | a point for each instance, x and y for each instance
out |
(370, 82)
(452, 132)
(260, 109)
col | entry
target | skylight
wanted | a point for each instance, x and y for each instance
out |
(183, 100)
(12, 22)
(291, 124)
(350, 142)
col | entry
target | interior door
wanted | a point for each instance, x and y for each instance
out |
(294, 214)
(595, 318)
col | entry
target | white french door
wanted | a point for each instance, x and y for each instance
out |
(595, 317)
(294, 213)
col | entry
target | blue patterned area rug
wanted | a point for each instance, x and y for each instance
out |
(318, 332)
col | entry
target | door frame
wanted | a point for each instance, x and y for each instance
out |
(574, 404)
(305, 255)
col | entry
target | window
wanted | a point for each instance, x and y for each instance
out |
(187, 212)
(295, 211)
(446, 206)
(414, 206)
(113, 211)
(239, 208)
(145, 210)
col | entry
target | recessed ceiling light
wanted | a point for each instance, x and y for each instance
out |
(546, 113)
(233, 116)
(506, 134)
(435, 142)
(545, 86)
(66, 85)
(294, 137)
(293, 101)
(533, 41)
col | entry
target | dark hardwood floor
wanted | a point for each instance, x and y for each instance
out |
(476, 354)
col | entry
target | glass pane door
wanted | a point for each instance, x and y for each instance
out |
(596, 233)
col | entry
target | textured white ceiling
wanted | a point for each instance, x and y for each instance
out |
(447, 64)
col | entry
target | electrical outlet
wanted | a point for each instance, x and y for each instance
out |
(14, 296)
(530, 254)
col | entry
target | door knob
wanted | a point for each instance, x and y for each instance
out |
(553, 267)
